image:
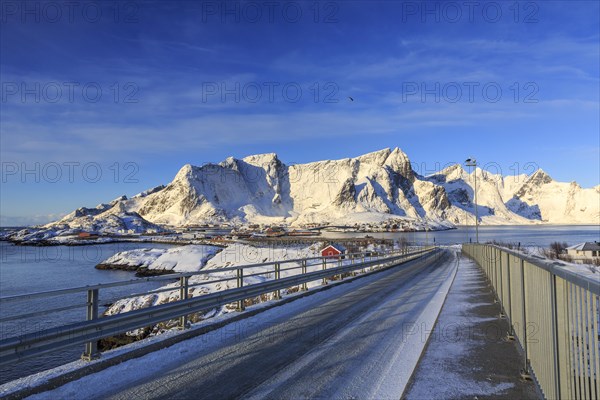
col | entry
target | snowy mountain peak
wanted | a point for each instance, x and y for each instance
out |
(375, 157)
(371, 188)
(260, 160)
(398, 161)
(185, 173)
(539, 177)
(452, 173)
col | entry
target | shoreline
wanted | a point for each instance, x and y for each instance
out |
(212, 242)
(139, 270)
(48, 243)
(280, 240)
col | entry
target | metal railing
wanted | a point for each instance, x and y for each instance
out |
(97, 326)
(553, 313)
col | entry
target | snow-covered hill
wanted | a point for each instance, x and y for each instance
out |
(159, 261)
(372, 188)
(105, 219)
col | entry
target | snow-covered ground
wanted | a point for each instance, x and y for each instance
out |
(176, 259)
(353, 340)
(537, 252)
(232, 256)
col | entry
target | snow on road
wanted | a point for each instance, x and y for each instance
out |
(354, 340)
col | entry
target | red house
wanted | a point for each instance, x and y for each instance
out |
(333, 250)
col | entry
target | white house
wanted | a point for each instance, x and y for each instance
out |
(584, 250)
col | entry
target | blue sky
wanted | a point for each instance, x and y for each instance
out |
(135, 90)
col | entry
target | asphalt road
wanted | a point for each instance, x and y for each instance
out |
(341, 347)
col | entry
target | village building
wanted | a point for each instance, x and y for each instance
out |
(586, 250)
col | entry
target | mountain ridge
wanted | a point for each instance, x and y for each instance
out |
(370, 189)
(262, 189)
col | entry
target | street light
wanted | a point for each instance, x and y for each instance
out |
(471, 162)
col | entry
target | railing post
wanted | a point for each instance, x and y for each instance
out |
(363, 263)
(324, 268)
(183, 295)
(340, 265)
(511, 329)
(555, 335)
(500, 292)
(91, 348)
(525, 372)
(240, 283)
(277, 276)
(305, 284)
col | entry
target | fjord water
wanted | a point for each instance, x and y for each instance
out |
(26, 269)
(541, 235)
(30, 269)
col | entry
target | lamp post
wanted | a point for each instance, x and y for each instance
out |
(466, 205)
(471, 162)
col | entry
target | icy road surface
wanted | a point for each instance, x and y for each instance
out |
(357, 340)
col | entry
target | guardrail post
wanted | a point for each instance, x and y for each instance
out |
(240, 283)
(340, 265)
(305, 284)
(277, 276)
(91, 348)
(183, 295)
(363, 263)
(324, 268)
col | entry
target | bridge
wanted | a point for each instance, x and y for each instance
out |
(355, 334)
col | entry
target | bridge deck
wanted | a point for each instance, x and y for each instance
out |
(350, 341)
(358, 340)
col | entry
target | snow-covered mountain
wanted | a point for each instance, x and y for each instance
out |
(520, 199)
(262, 189)
(373, 188)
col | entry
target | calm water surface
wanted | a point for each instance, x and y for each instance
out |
(526, 235)
(29, 269)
